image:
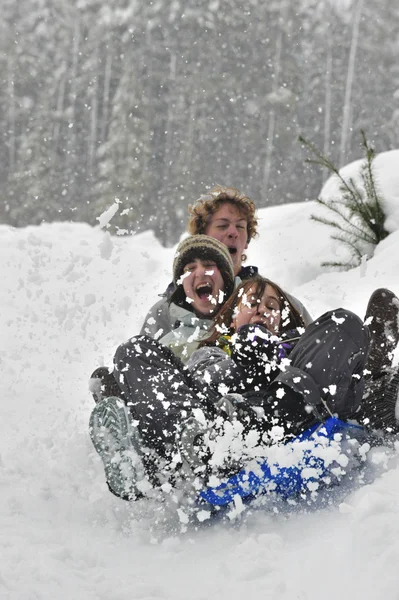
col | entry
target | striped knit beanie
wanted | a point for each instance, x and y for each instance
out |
(204, 247)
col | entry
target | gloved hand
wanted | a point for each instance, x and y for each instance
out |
(254, 345)
(235, 408)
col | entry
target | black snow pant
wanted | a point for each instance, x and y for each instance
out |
(158, 391)
(325, 372)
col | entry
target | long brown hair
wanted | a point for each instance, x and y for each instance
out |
(223, 320)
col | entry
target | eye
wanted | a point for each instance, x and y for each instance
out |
(241, 227)
(189, 268)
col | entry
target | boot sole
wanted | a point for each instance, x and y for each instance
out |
(114, 439)
(383, 306)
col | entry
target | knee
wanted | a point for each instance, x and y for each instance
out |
(352, 325)
(136, 348)
(130, 348)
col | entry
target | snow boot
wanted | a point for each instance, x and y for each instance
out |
(380, 405)
(116, 441)
(382, 319)
(102, 384)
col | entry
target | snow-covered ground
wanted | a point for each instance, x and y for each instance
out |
(69, 295)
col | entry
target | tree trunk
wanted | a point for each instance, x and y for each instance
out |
(71, 139)
(347, 113)
(11, 117)
(272, 115)
(59, 107)
(327, 103)
(170, 115)
(91, 150)
(107, 81)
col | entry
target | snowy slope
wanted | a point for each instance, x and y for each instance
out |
(69, 295)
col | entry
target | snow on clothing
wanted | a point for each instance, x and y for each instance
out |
(162, 393)
(190, 330)
(160, 321)
(327, 362)
(254, 358)
(158, 390)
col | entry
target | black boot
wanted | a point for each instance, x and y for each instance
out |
(102, 384)
(380, 406)
(382, 320)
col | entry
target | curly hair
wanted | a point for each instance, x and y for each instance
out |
(207, 204)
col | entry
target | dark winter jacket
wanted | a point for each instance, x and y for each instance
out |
(248, 360)
(160, 320)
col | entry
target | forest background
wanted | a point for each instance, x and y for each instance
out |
(147, 104)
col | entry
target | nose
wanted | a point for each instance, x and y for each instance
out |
(261, 309)
(200, 270)
(232, 231)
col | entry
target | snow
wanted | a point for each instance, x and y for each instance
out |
(70, 294)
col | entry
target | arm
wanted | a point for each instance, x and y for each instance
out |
(157, 322)
(213, 370)
(254, 362)
(259, 353)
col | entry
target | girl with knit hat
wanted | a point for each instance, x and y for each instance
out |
(150, 386)
(203, 276)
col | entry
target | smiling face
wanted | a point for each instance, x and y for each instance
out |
(203, 285)
(264, 310)
(229, 226)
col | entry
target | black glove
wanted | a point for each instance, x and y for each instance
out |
(253, 343)
(259, 352)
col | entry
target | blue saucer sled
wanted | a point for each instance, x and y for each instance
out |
(311, 462)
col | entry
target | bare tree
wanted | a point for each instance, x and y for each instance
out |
(11, 115)
(347, 112)
(272, 112)
(327, 100)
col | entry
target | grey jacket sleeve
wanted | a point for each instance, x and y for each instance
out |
(211, 368)
(300, 307)
(157, 322)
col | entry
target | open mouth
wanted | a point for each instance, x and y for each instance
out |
(232, 251)
(204, 290)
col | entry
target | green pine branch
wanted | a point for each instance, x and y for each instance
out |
(359, 217)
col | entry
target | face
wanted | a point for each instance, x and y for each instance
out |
(229, 226)
(203, 285)
(264, 310)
